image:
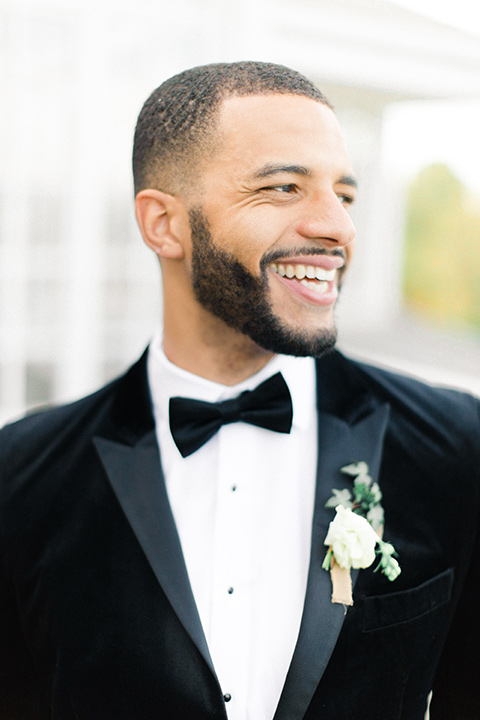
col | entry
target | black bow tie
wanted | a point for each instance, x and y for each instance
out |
(193, 422)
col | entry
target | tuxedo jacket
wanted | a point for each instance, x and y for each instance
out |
(97, 617)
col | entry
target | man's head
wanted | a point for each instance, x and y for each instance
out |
(177, 126)
(243, 186)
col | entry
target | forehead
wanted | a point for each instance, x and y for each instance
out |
(256, 130)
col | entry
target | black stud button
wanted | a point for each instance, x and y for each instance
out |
(227, 697)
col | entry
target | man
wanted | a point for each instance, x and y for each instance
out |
(152, 568)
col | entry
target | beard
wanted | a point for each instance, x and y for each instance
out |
(224, 287)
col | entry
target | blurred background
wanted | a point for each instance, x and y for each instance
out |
(80, 294)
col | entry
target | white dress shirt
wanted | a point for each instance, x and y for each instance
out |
(243, 506)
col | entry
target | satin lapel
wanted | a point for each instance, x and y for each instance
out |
(136, 478)
(339, 444)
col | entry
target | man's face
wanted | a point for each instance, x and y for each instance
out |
(270, 233)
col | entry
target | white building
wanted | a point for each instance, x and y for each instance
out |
(79, 294)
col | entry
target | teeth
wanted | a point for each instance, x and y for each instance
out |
(304, 271)
(322, 274)
(300, 272)
(317, 287)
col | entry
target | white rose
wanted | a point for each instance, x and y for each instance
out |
(352, 539)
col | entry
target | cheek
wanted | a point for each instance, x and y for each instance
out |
(244, 244)
(252, 233)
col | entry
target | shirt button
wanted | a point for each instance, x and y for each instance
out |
(227, 697)
(230, 591)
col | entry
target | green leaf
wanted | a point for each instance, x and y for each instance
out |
(375, 516)
(376, 493)
(327, 561)
(358, 468)
(340, 497)
(388, 565)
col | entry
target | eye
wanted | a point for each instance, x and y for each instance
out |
(289, 188)
(345, 199)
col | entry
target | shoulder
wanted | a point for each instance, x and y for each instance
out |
(49, 464)
(427, 422)
(411, 395)
(420, 413)
(117, 409)
(344, 377)
(37, 426)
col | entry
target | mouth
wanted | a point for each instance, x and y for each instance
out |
(313, 279)
(316, 279)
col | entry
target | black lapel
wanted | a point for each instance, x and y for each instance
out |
(340, 443)
(132, 463)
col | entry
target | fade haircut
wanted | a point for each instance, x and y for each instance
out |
(176, 126)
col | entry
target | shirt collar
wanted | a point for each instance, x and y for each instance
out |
(167, 380)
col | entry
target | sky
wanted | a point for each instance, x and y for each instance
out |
(417, 134)
(463, 14)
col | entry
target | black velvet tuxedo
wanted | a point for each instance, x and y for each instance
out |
(97, 619)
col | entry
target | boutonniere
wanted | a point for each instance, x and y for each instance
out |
(354, 538)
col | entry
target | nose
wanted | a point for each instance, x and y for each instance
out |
(326, 219)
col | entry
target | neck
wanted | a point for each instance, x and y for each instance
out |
(215, 352)
(201, 343)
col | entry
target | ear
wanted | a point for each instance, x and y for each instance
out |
(163, 222)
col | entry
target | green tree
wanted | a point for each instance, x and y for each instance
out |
(442, 249)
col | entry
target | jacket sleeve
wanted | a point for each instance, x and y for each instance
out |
(20, 696)
(456, 690)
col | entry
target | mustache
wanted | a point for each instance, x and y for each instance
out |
(275, 255)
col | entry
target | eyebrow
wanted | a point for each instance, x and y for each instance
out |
(348, 180)
(270, 169)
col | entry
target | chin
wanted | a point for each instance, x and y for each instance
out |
(284, 341)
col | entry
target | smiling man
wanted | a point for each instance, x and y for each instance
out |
(255, 266)
(163, 541)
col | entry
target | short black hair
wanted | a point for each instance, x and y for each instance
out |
(176, 122)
